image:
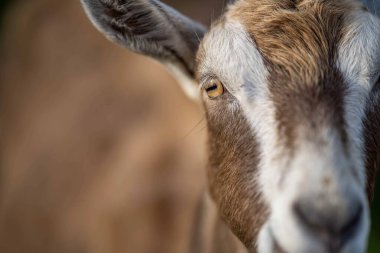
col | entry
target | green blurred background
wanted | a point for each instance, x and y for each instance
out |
(45, 64)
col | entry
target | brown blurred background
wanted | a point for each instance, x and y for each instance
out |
(100, 150)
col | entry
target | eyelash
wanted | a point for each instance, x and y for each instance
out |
(203, 81)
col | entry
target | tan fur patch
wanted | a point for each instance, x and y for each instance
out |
(298, 41)
(294, 36)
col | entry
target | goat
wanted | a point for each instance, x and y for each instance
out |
(291, 92)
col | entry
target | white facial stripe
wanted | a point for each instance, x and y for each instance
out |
(232, 57)
(360, 64)
(360, 49)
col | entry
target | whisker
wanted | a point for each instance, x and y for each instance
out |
(196, 34)
(201, 130)
(194, 127)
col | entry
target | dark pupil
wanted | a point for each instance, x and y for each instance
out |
(211, 88)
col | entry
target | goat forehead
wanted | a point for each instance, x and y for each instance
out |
(299, 37)
(228, 53)
(281, 50)
(297, 41)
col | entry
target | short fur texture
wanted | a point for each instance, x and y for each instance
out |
(299, 41)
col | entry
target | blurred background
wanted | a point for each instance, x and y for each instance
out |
(97, 154)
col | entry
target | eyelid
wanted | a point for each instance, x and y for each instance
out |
(205, 79)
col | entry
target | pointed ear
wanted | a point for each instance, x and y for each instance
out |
(151, 28)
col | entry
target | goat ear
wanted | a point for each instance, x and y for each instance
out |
(150, 28)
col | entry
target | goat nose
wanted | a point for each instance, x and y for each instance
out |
(332, 226)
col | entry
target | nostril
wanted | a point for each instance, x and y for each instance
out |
(348, 230)
(330, 226)
(339, 238)
(308, 218)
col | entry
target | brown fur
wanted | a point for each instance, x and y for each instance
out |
(298, 41)
(233, 167)
(299, 37)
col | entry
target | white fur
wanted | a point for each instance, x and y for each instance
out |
(233, 57)
(228, 48)
(360, 63)
(188, 85)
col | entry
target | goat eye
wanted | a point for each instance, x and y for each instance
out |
(214, 88)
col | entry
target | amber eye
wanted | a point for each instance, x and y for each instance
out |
(214, 88)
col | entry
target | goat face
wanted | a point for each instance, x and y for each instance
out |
(292, 97)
